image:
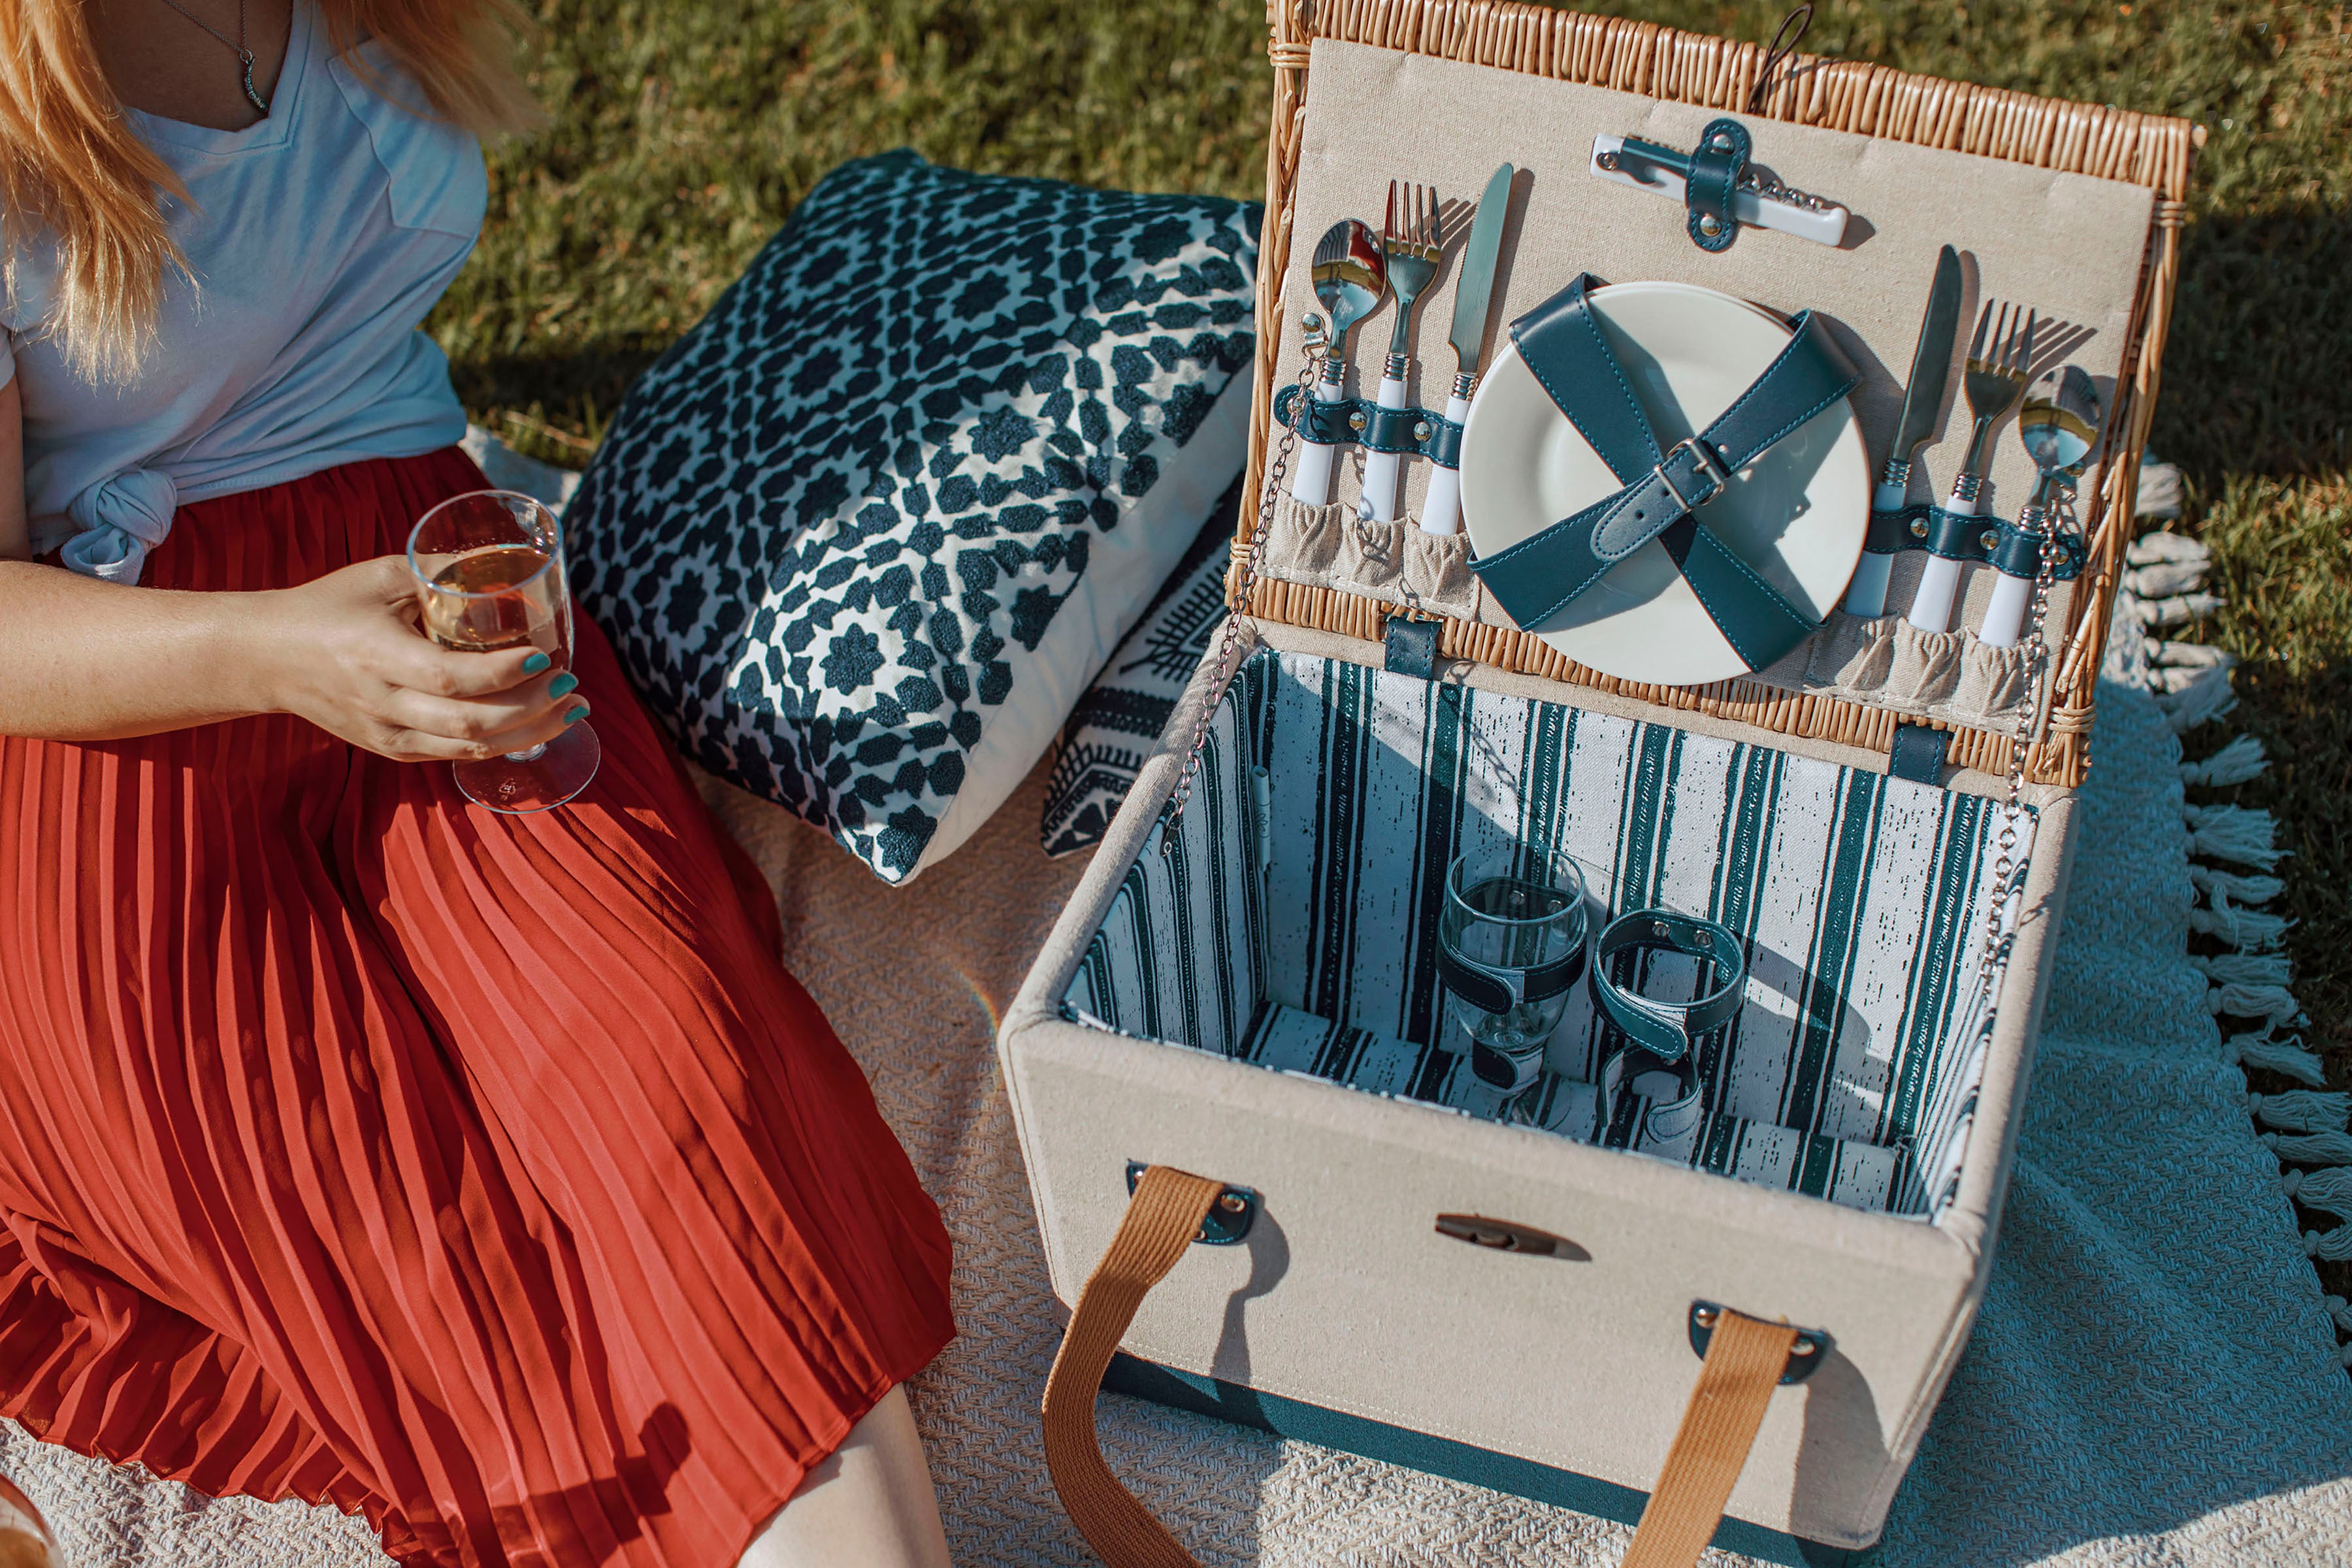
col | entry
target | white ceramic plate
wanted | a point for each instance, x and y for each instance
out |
(1798, 516)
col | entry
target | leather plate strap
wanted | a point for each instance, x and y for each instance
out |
(1744, 1363)
(1161, 1220)
(1569, 355)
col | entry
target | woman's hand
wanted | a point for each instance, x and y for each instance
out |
(343, 652)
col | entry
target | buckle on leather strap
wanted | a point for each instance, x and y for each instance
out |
(1711, 468)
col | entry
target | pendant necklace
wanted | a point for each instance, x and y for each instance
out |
(244, 55)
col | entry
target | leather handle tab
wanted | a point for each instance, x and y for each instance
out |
(1161, 1221)
(1745, 1359)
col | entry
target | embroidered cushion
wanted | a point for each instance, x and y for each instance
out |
(1113, 727)
(865, 534)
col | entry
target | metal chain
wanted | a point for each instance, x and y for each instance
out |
(1229, 638)
(2008, 870)
(1768, 189)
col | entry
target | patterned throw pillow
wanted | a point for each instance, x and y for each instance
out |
(1113, 727)
(863, 535)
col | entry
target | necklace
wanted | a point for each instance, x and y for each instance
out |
(244, 55)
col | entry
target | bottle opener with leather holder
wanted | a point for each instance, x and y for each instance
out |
(1713, 1271)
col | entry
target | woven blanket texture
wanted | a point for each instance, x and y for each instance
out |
(2154, 1380)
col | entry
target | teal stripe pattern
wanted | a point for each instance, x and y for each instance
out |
(1310, 902)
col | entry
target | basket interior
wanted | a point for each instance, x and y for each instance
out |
(1293, 922)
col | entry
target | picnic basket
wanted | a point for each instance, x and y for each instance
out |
(1386, 1266)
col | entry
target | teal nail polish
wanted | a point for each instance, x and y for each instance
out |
(535, 663)
(563, 684)
(576, 714)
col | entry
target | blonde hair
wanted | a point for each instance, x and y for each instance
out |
(72, 174)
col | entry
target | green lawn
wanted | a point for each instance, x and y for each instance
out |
(683, 130)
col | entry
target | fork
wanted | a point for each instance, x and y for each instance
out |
(1409, 237)
(2000, 356)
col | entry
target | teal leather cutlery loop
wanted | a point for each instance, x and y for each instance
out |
(1359, 420)
(1562, 343)
(2014, 550)
(1715, 171)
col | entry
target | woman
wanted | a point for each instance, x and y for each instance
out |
(484, 1174)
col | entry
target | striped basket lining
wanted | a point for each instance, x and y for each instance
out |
(1333, 797)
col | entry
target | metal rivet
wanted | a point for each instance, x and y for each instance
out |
(1703, 1317)
(1710, 224)
(1357, 421)
(1311, 321)
(1723, 141)
(1989, 538)
(1232, 1203)
(1199, 1235)
(1918, 527)
(1803, 1347)
(1421, 430)
(1662, 927)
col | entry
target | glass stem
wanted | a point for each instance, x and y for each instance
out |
(530, 756)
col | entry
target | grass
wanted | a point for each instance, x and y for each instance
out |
(683, 131)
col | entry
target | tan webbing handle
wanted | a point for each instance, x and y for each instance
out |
(1744, 1362)
(1161, 1220)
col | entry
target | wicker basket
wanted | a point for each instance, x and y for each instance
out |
(1643, 57)
(1237, 1020)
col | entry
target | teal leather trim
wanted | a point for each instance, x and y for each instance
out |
(1715, 171)
(1506, 1473)
(2014, 550)
(1384, 429)
(1919, 754)
(1534, 579)
(1412, 647)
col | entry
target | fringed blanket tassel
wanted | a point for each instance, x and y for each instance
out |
(2232, 854)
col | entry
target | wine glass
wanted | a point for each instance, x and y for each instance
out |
(490, 575)
(1511, 946)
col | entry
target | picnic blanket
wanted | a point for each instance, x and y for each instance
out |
(2154, 1379)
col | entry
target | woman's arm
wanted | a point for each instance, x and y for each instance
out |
(86, 660)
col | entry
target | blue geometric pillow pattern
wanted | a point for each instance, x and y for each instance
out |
(863, 535)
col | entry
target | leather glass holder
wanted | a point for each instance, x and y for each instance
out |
(1990, 541)
(1500, 990)
(1668, 1030)
(1358, 421)
(1658, 1068)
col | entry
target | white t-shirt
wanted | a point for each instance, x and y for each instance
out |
(319, 238)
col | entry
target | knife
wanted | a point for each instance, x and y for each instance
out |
(1931, 369)
(1474, 294)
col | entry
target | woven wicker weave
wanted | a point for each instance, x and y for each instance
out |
(1843, 94)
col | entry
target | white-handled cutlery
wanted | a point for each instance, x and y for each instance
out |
(1931, 368)
(1474, 294)
(1409, 241)
(1999, 355)
(1349, 274)
(2058, 427)
(1758, 201)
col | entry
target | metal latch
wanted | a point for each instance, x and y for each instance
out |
(1507, 1235)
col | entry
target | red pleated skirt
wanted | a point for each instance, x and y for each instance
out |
(486, 1175)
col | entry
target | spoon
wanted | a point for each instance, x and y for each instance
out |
(1351, 275)
(2058, 427)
